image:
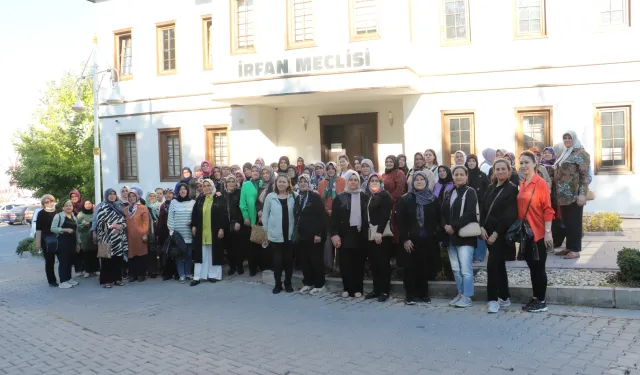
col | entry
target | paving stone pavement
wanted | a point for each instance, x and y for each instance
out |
(238, 327)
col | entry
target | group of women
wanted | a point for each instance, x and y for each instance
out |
(321, 214)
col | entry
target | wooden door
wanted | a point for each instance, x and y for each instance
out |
(360, 140)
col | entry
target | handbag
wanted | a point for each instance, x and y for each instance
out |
(591, 195)
(258, 235)
(373, 229)
(51, 242)
(518, 231)
(471, 229)
(104, 250)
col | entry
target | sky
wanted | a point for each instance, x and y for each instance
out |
(41, 40)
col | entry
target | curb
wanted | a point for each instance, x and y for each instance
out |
(603, 234)
(591, 296)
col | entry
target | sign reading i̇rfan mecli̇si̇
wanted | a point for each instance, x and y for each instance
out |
(305, 64)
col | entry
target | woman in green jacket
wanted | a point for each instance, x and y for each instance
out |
(248, 198)
(88, 247)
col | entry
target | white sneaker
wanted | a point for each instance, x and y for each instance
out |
(182, 280)
(493, 307)
(305, 289)
(345, 294)
(358, 295)
(81, 274)
(86, 275)
(464, 302)
(65, 285)
(455, 300)
(73, 282)
(504, 303)
(316, 291)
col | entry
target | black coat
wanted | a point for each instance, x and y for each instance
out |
(407, 219)
(233, 207)
(451, 216)
(480, 182)
(380, 206)
(219, 220)
(504, 211)
(340, 213)
(310, 221)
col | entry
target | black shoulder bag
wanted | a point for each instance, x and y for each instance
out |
(520, 231)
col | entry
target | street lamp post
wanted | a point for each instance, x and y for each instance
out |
(114, 99)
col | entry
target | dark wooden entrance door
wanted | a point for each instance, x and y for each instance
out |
(352, 134)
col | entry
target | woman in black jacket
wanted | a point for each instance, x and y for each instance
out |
(379, 246)
(235, 238)
(499, 210)
(480, 182)
(418, 218)
(349, 233)
(459, 208)
(208, 251)
(311, 233)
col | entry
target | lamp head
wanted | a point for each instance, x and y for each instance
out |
(114, 99)
(78, 107)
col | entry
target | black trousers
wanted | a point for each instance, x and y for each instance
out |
(235, 243)
(91, 262)
(152, 262)
(311, 257)
(537, 269)
(379, 260)
(572, 220)
(78, 261)
(497, 280)
(352, 269)
(259, 258)
(49, 263)
(169, 267)
(282, 260)
(138, 266)
(416, 284)
(110, 270)
(66, 258)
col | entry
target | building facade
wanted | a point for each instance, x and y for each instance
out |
(231, 80)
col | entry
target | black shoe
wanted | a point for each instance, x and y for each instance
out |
(240, 271)
(194, 283)
(383, 297)
(288, 289)
(277, 290)
(537, 307)
(372, 295)
(410, 302)
(53, 285)
(531, 302)
(426, 300)
(153, 276)
(253, 273)
(231, 272)
(132, 279)
(142, 278)
(213, 280)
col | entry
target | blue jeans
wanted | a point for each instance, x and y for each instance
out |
(481, 250)
(461, 258)
(185, 263)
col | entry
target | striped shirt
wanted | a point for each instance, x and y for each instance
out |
(179, 218)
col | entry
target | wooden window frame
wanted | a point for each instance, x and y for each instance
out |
(353, 34)
(121, 167)
(446, 132)
(543, 22)
(546, 111)
(160, 27)
(627, 18)
(162, 134)
(207, 57)
(291, 28)
(235, 50)
(117, 36)
(443, 27)
(209, 147)
(628, 153)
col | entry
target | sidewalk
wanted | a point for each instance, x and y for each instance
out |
(598, 252)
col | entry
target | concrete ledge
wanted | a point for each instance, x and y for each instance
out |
(604, 234)
(607, 297)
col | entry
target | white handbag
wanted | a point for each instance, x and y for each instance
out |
(373, 229)
(471, 229)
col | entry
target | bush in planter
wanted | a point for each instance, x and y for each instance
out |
(629, 264)
(28, 245)
(602, 222)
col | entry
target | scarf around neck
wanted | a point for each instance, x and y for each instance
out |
(423, 197)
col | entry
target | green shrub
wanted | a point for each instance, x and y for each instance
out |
(602, 222)
(629, 264)
(28, 245)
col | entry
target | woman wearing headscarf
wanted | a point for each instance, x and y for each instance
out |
(344, 165)
(179, 220)
(267, 187)
(418, 224)
(248, 200)
(65, 227)
(515, 178)
(548, 159)
(366, 169)
(394, 181)
(459, 208)
(226, 171)
(329, 188)
(236, 237)
(489, 155)
(293, 177)
(154, 212)
(216, 177)
(459, 158)
(209, 222)
(311, 234)
(235, 168)
(260, 161)
(197, 172)
(89, 249)
(137, 217)
(480, 182)
(111, 230)
(169, 267)
(357, 163)
(379, 247)
(572, 184)
(246, 170)
(206, 169)
(187, 176)
(557, 228)
(300, 165)
(349, 230)
(239, 179)
(445, 182)
(318, 175)
(431, 161)
(283, 165)
(76, 200)
(419, 165)
(402, 164)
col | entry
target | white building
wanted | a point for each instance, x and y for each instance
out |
(230, 80)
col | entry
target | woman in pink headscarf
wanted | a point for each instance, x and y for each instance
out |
(206, 169)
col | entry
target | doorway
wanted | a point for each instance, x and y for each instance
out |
(352, 135)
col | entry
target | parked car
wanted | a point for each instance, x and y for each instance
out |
(29, 213)
(4, 212)
(16, 215)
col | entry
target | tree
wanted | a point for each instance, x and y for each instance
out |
(55, 153)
